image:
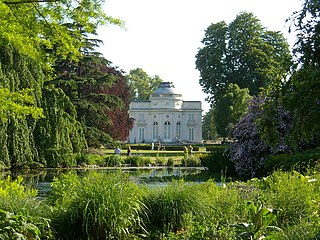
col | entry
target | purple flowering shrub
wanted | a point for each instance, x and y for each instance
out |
(252, 146)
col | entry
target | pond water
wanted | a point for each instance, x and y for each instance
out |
(153, 176)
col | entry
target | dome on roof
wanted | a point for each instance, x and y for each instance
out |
(166, 88)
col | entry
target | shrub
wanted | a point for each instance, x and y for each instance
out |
(191, 161)
(299, 161)
(135, 161)
(113, 160)
(218, 162)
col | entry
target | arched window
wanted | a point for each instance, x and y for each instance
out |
(178, 130)
(167, 130)
(141, 134)
(191, 134)
(155, 130)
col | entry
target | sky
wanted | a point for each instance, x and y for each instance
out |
(163, 36)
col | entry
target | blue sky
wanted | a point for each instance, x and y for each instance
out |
(163, 36)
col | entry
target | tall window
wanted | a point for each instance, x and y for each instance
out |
(191, 134)
(141, 134)
(155, 131)
(141, 116)
(191, 118)
(178, 130)
(167, 130)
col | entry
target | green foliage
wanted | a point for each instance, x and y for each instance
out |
(260, 224)
(167, 205)
(97, 206)
(191, 161)
(114, 160)
(170, 162)
(243, 53)
(19, 74)
(59, 135)
(301, 98)
(230, 108)
(218, 163)
(109, 205)
(137, 161)
(293, 193)
(17, 105)
(209, 130)
(22, 215)
(35, 27)
(141, 84)
(295, 161)
(18, 226)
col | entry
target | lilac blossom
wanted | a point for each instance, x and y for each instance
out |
(249, 151)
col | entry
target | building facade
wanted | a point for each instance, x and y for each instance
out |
(165, 117)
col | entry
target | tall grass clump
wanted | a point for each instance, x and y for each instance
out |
(113, 160)
(22, 214)
(97, 206)
(168, 205)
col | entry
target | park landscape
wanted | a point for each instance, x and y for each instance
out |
(65, 106)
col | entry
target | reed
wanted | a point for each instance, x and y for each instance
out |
(168, 205)
(98, 206)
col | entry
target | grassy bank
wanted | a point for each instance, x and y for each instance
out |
(284, 205)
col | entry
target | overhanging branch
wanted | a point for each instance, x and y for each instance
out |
(28, 1)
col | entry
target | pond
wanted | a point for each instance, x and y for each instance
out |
(152, 176)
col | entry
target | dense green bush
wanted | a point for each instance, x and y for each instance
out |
(298, 161)
(137, 161)
(218, 163)
(113, 160)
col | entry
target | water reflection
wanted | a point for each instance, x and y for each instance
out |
(41, 178)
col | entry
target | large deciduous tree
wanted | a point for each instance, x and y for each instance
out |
(243, 53)
(230, 108)
(302, 92)
(141, 84)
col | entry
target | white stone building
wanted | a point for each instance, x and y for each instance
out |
(166, 117)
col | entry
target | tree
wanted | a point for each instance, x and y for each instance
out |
(35, 37)
(209, 131)
(141, 84)
(230, 108)
(243, 53)
(35, 26)
(18, 104)
(302, 92)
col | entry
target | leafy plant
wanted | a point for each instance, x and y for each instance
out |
(22, 215)
(260, 222)
(21, 227)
